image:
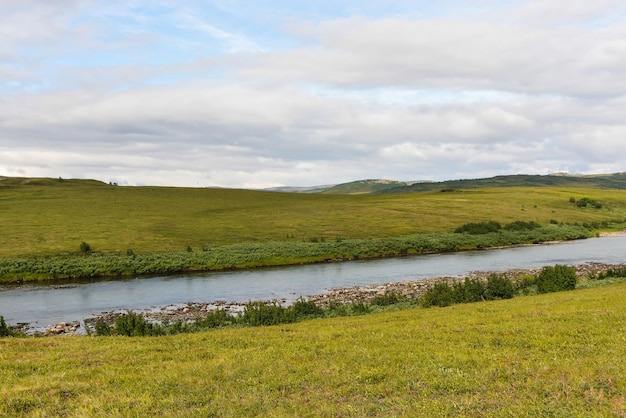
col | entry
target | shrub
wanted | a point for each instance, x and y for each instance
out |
(476, 228)
(585, 201)
(303, 308)
(102, 328)
(522, 226)
(470, 290)
(611, 272)
(499, 287)
(441, 294)
(338, 309)
(5, 330)
(215, 318)
(525, 282)
(556, 278)
(387, 299)
(260, 313)
(84, 247)
(134, 325)
(359, 308)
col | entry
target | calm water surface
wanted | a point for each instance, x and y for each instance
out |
(45, 305)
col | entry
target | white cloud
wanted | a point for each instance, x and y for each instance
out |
(158, 94)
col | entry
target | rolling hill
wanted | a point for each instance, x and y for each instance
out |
(595, 181)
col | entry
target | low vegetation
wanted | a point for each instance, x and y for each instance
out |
(497, 286)
(7, 331)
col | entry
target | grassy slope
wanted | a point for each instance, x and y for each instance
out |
(51, 217)
(602, 181)
(560, 354)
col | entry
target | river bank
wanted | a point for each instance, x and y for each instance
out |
(366, 294)
(94, 266)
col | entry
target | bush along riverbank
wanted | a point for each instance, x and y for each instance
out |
(90, 264)
(441, 292)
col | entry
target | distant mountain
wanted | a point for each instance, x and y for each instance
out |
(367, 186)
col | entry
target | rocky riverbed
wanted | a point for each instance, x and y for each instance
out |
(192, 311)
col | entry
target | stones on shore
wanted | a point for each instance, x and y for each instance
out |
(63, 328)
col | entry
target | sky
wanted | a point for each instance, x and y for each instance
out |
(270, 93)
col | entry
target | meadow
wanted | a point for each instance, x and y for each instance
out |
(147, 230)
(558, 354)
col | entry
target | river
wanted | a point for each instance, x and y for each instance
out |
(43, 305)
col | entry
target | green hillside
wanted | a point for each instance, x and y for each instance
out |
(49, 216)
(366, 186)
(609, 181)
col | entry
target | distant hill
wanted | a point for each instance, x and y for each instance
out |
(381, 186)
(367, 186)
(310, 189)
(45, 181)
(600, 181)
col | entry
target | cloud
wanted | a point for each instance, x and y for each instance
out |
(152, 93)
(455, 54)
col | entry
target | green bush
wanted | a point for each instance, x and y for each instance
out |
(441, 294)
(556, 278)
(260, 313)
(525, 283)
(470, 290)
(102, 328)
(84, 247)
(522, 226)
(337, 309)
(214, 319)
(387, 299)
(477, 228)
(585, 202)
(306, 309)
(611, 272)
(360, 308)
(499, 287)
(5, 330)
(135, 325)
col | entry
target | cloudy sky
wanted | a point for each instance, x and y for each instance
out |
(267, 93)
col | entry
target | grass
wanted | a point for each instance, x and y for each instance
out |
(561, 354)
(50, 217)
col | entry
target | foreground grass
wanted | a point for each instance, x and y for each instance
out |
(561, 354)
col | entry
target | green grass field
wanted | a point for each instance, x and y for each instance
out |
(51, 217)
(560, 354)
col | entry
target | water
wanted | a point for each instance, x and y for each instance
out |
(46, 305)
